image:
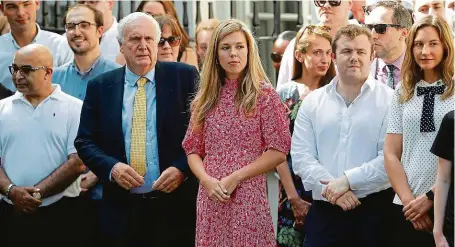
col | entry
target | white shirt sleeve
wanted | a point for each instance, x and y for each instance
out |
(287, 65)
(371, 175)
(73, 126)
(304, 151)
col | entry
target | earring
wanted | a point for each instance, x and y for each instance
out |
(216, 61)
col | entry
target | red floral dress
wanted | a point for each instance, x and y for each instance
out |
(228, 142)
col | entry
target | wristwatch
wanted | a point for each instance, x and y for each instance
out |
(8, 190)
(430, 195)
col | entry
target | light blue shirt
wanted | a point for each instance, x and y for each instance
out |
(130, 88)
(74, 82)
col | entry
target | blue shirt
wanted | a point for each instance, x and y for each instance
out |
(130, 88)
(74, 82)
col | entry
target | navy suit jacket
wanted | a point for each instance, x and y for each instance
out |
(100, 141)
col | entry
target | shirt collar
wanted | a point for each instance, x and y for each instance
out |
(56, 94)
(369, 83)
(11, 37)
(397, 63)
(95, 64)
(132, 78)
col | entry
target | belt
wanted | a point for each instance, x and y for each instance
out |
(150, 195)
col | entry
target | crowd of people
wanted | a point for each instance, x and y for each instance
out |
(121, 133)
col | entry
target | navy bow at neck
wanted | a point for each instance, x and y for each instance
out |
(427, 119)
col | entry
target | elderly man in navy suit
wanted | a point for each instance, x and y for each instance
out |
(133, 121)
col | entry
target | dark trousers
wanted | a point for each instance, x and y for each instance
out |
(90, 220)
(327, 225)
(153, 219)
(404, 233)
(55, 225)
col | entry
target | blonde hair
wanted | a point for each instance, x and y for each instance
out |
(207, 25)
(212, 77)
(302, 44)
(411, 72)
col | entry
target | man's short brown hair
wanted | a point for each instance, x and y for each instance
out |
(99, 18)
(400, 15)
(351, 31)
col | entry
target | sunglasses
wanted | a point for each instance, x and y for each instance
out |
(331, 3)
(25, 70)
(276, 57)
(172, 41)
(381, 28)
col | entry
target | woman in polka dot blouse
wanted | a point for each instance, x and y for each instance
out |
(420, 102)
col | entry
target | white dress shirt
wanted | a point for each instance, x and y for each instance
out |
(419, 164)
(8, 47)
(36, 141)
(331, 140)
(109, 45)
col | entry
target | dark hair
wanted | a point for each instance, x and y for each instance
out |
(351, 31)
(400, 16)
(169, 21)
(170, 10)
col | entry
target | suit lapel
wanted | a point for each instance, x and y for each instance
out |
(115, 103)
(162, 95)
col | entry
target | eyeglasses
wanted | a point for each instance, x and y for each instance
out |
(276, 57)
(25, 70)
(172, 41)
(331, 3)
(83, 24)
(381, 28)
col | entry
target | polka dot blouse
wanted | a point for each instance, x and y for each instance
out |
(418, 120)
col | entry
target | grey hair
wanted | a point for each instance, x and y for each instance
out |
(127, 20)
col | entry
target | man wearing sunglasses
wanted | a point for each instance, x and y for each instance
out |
(84, 28)
(21, 17)
(39, 176)
(279, 46)
(133, 122)
(389, 23)
(334, 14)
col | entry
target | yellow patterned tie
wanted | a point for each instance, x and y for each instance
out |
(137, 155)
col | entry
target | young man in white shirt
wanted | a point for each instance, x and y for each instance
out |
(337, 149)
(21, 17)
(40, 168)
(334, 14)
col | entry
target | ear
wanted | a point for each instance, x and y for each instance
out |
(299, 56)
(100, 31)
(333, 56)
(49, 72)
(1, 7)
(404, 33)
(37, 4)
(350, 4)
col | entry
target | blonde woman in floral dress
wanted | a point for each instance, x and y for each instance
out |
(238, 131)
